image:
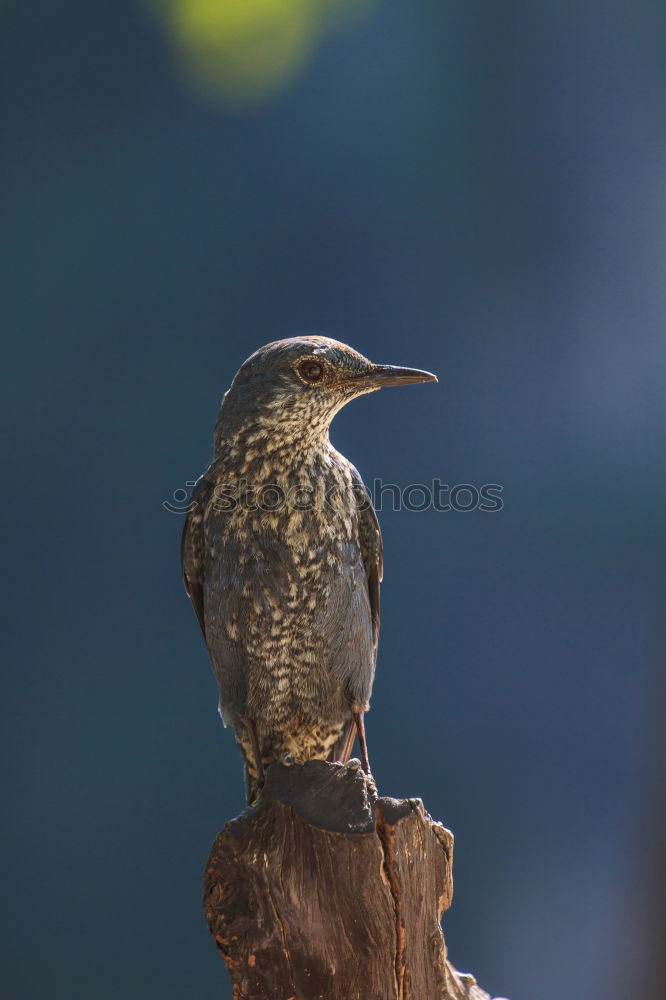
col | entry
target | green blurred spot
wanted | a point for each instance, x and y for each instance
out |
(244, 51)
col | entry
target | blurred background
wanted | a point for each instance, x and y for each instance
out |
(472, 188)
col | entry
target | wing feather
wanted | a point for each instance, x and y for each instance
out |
(192, 549)
(372, 554)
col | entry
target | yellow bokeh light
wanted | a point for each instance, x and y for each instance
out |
(243, 51)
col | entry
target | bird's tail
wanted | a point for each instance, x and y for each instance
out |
(253, 785)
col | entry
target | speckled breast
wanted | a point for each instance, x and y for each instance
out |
(287, 611)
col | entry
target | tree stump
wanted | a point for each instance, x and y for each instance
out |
(321, 891)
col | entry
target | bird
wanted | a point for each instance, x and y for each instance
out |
(281, 556)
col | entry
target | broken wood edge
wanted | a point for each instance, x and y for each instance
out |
(378, 815)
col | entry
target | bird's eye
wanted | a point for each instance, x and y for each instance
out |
(311, 371)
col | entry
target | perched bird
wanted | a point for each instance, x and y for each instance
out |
(282, 556)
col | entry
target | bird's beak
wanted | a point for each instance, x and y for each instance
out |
(382, 375)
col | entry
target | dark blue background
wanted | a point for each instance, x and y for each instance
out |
(472, 188)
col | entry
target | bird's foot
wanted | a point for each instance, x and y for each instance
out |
(371, 787)
(370, 784)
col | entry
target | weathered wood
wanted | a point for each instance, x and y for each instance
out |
(323, 892)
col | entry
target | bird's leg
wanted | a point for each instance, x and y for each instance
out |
(360, 729)
(348, 742)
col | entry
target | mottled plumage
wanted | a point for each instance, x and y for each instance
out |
(282, 555)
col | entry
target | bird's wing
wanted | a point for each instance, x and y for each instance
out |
(370, 539)
(192, 549)
(200, 574)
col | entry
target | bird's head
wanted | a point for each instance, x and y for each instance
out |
(294, 387)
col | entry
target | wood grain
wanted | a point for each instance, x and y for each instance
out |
(322, 891)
